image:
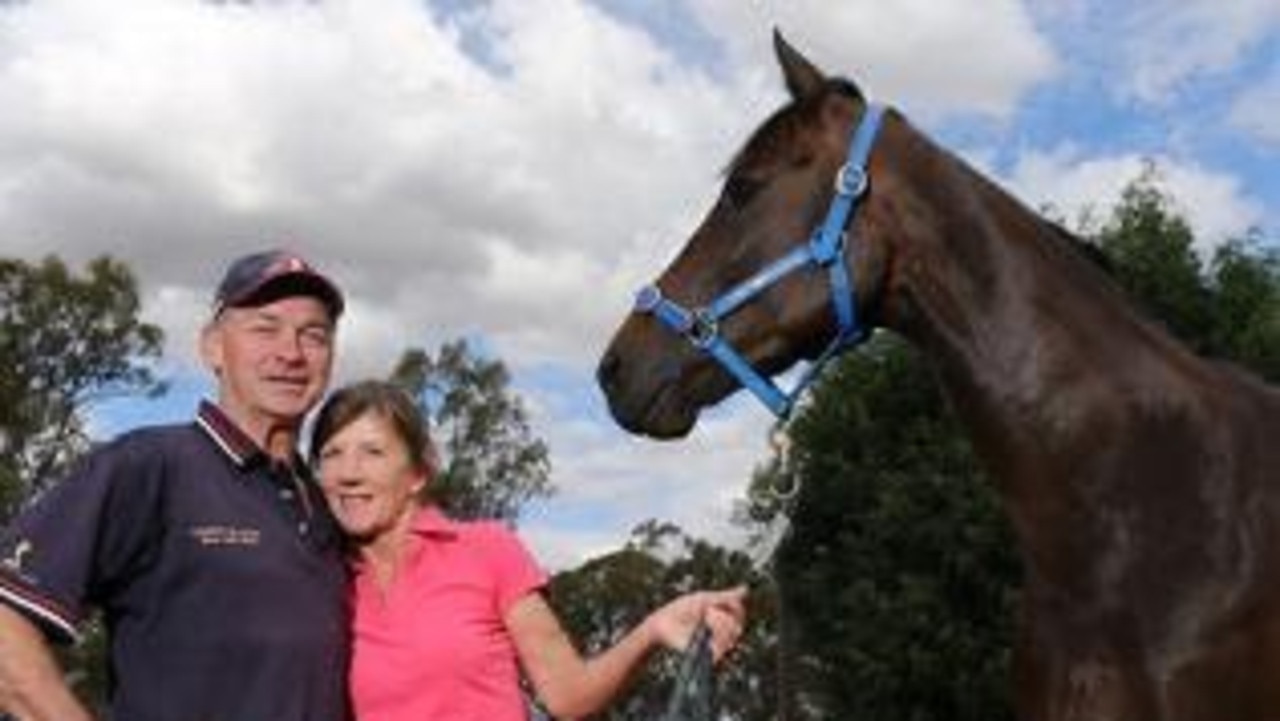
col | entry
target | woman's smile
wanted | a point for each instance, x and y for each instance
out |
(368, 477)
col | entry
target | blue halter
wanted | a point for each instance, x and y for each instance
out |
(825, 248)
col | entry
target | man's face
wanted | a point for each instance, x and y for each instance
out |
(272, 362)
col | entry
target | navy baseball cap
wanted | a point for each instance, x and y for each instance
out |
(266, 277)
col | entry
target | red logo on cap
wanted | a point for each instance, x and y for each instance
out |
(289, 264)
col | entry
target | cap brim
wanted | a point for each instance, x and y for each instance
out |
(289, 285)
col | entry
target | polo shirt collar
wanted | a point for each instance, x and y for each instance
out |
(227, 436)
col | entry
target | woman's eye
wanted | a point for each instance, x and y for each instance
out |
(739, 190)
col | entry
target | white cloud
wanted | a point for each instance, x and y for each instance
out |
(448, 192)
(1073, 182)
(1168, 41)
(1257, 109)
(183, 134)
(933, 56)
(621, 481)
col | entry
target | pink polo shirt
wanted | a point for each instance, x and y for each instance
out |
(435, 648)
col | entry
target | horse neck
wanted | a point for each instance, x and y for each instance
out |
(1033, 342)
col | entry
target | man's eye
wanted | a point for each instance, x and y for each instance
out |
(261, 328)
(316, 336)
(739, 190)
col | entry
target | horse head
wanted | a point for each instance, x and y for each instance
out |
(775, 196)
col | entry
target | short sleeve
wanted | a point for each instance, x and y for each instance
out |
(516, 572)
(76, 545)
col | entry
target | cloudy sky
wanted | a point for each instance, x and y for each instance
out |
(510, 171)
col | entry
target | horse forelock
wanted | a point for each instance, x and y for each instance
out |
(780, 129)
(775, 132)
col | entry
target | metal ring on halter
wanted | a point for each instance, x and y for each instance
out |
(851, 180)
(784, 493)
(704, 329)
(773, 494)
(779, 441)
(781, 444)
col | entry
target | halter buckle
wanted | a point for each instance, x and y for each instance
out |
(647, 299)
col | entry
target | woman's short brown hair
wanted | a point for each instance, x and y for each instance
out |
(387, 400)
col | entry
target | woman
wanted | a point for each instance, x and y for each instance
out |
(448, 613)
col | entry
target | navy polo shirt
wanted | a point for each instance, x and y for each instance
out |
(219, 575)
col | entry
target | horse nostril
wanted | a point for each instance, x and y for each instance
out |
(608, 370)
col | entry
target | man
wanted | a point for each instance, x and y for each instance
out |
(206, 546)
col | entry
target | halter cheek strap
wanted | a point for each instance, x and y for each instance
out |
(823, 249)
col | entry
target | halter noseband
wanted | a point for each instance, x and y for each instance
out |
(824, 248)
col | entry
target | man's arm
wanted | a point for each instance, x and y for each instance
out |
(31, 682)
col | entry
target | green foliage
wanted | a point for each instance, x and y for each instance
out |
(87, 666)
(898, 581)
(1150, 248)
(1245, 282)
(66, 341)
(608, 596)
(1227, 307)
(493, 464)
(12, 489)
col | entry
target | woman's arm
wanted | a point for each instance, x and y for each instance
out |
(571, 686)
(31, 683)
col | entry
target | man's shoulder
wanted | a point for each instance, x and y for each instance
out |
(160, 434)
(154, 443)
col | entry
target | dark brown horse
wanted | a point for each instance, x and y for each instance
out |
(1143, 482)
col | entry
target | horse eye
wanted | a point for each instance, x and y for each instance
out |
(739, 190)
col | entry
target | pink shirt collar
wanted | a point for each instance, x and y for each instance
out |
(431, 521)
(428, 522)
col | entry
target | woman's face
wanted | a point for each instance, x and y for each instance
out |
(368, 477)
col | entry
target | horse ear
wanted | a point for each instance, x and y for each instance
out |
(803, 78)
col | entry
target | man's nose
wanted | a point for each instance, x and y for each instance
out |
(289, 347)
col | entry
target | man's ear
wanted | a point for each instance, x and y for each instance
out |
(211, 346)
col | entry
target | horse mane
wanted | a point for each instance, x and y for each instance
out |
(1091, 251)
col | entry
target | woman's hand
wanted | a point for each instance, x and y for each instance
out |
(572, 687)
(724, 612)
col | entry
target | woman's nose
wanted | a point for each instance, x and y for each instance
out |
(338, 472)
